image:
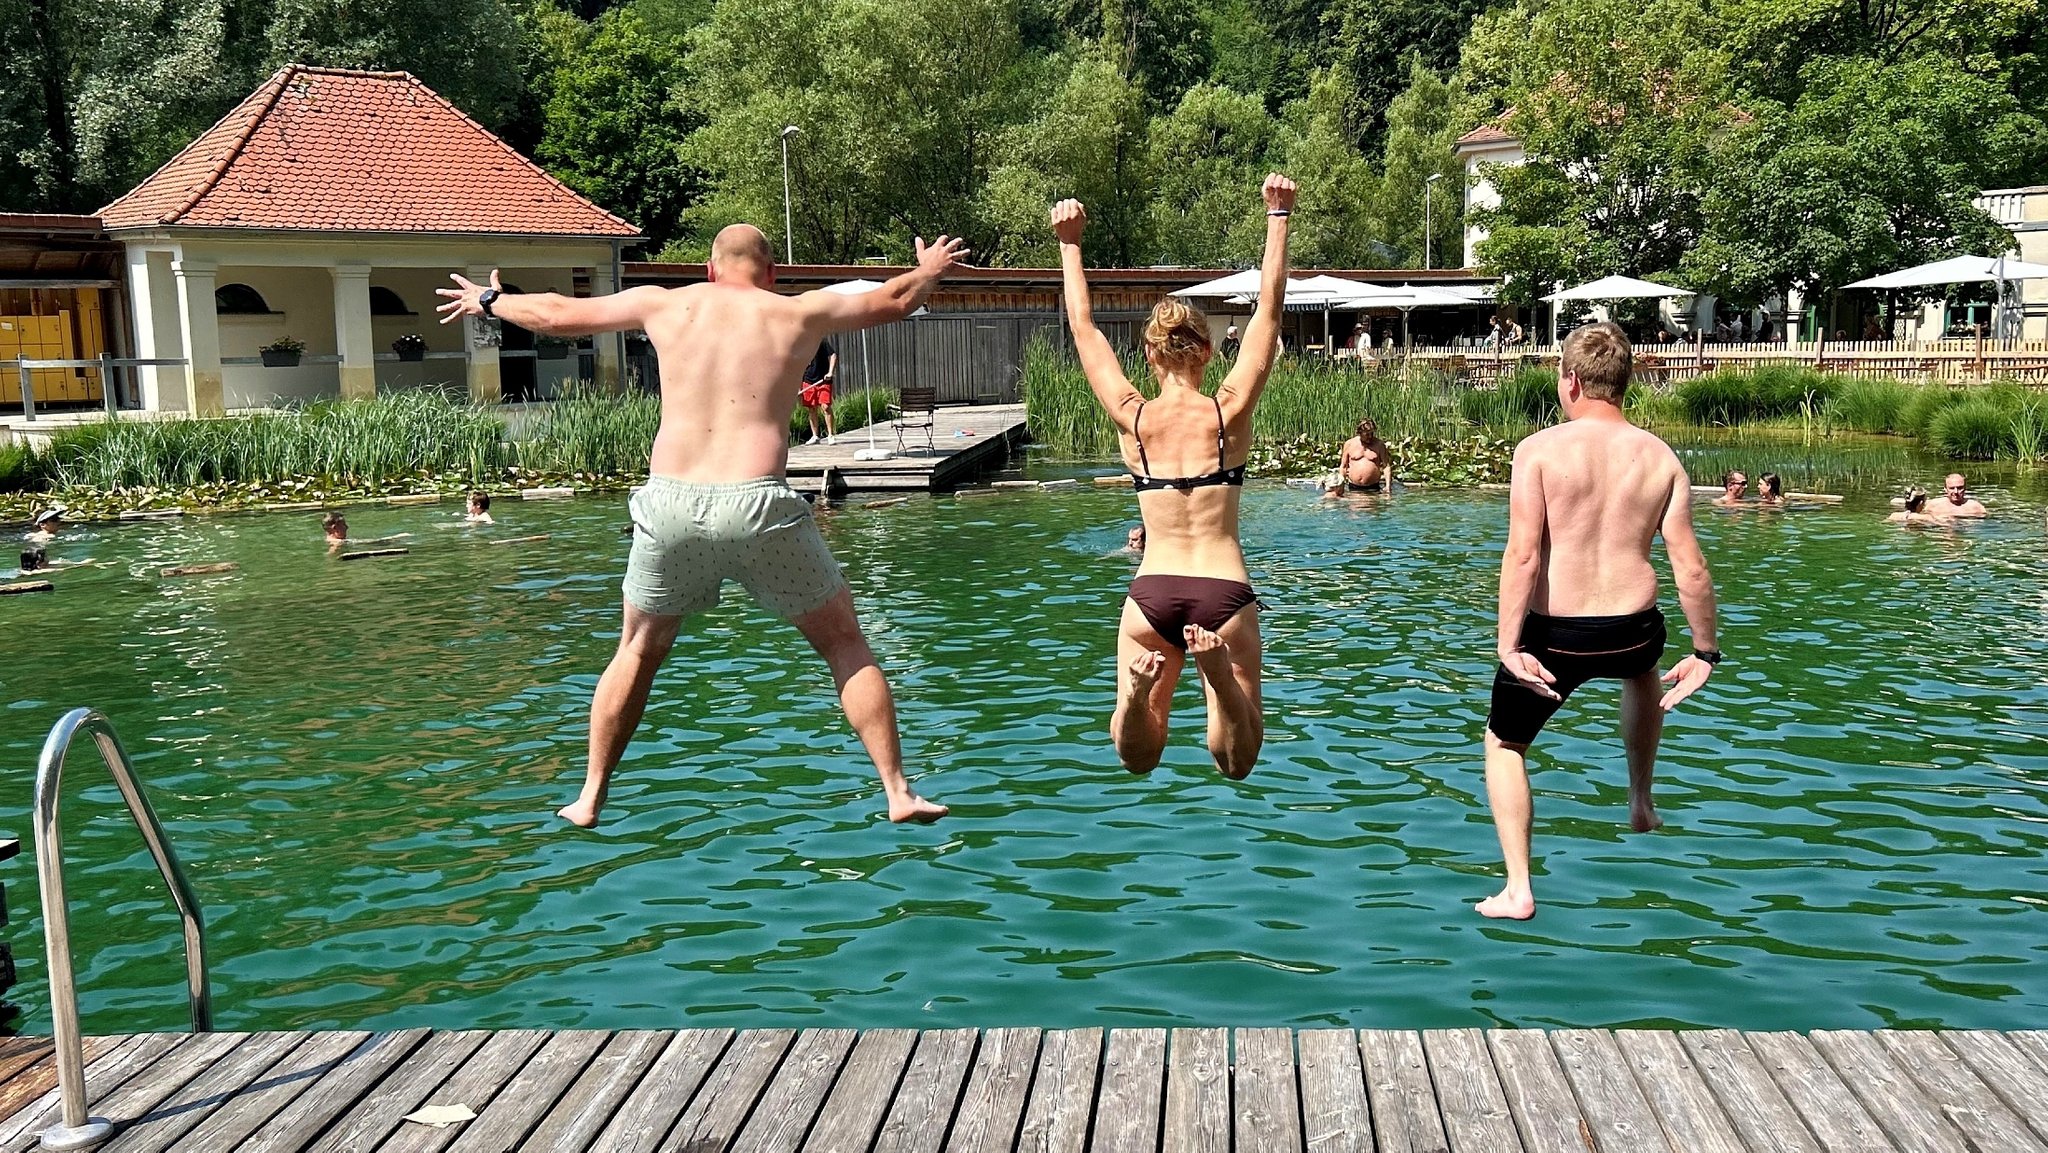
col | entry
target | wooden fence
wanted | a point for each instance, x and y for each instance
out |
(1947, 360)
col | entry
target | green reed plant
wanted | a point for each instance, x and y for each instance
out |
(1976, 427)
(593, 431)
(2030, 432)
(1916, 418)
(849, 411)
(1871, 405)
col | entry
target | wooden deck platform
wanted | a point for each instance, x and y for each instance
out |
(1053, 1091)
(967, 442)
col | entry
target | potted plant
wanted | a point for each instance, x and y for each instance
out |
(283, 352)
(552, 348)
(411, 346)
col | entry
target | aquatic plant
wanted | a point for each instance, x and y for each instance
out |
(1975, 427)
(1871, 405)
(1922, 407)
(2030, 432)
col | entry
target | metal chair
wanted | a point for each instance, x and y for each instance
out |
(917, 408)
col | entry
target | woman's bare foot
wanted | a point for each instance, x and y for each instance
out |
(1644, 818)
(1145, 669)
(581, 813)
(1509, 904)
(913, 808)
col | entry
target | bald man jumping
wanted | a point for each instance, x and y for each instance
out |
(717, 505)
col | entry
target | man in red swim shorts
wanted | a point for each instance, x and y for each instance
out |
(816, 393)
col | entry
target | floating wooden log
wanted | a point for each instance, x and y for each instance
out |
(27, 587)
(416, 498)
(1069, 482)
(886, 503)
(1014, 484)
(1117, 481)
(522, 539)
(153, 514)
(199, 569)
(546, 493)
(365, 554)
(293, 506)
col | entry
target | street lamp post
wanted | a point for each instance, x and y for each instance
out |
(1429, 220)
(788, 232)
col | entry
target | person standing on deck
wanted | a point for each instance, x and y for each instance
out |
(717, 505)
(1192, 596)
(1578, 597)
(816, 392)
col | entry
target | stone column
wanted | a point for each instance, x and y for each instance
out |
(611, 346)
(158, 330)
(352, 334)
(200, 330)
(480, 337)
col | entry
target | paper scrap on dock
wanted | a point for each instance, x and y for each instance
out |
(441, 1116)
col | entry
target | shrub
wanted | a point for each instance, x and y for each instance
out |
(1731, 396)
(22, 469)
(1871, 405)
(1921, 408)
(1976, 427)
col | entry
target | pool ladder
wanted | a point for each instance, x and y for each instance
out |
(76, 1130)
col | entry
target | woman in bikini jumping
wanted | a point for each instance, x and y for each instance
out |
(1192, 596)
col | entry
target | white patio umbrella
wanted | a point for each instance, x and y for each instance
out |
(1611, 288)
(1961, 270)
(1244, 283)
(854, 288)
(1406, 298)
(1306, 294)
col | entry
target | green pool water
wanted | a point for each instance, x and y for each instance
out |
(359, 763)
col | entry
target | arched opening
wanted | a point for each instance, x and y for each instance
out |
(239, 300)
(384, 302)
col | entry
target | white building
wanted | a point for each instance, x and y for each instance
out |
(2024, 212)
(327, 208)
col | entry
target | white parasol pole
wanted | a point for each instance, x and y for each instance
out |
(867, 383)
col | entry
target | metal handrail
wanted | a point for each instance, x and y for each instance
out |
(77, 1130)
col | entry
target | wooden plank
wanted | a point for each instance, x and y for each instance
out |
(1268, 1116)
(1469, 1097)
(1397, 1084)
(189, 1055)
(721, 1107)
(375, 1115)
(1827, 1106)
(1062, 1092)
(1893, 1100)
(1758, 1109)
(1969, 1104)
(853, 1111)
(366, 554)
(516, 1108)
(931, 1086)
(162, 1126)
(1198, 1091)
(2034, 1043)
(40, 1076)
(103, 1076)
(992, 1106)
(798, 1091)
(1678, 1095)
(1127, 1112)
(588, 1105)
(476, 1084)
(23, 587)
(305, 1066)
(1540, 1098)
(1335, 1115)
(18, 1054)
(331, 1094)
(2000, 1064)
(647, 1113)
(1608, 1098)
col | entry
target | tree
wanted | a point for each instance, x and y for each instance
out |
(1088, 141)
(1378, 42)
(615, 123)
(1207, 156)
(467, 50)
(1335, 217)
(1423, 125)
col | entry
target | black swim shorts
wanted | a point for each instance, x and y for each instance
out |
(1575, 650)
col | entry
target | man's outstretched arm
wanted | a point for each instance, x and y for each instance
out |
(829, 312)
(550, 313)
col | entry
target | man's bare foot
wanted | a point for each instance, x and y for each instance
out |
(1644, 818)
(1210, 654)
(581, 813)
(915, 808)
(1145, 669)
(1508, 905)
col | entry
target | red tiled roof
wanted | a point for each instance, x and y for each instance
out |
(335, 150)
(1485, 134)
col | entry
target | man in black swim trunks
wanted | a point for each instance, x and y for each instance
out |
(1578, 598)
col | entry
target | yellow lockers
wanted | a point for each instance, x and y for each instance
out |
(65, 336)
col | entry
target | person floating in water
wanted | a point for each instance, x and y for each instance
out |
(1770, 490)
(718, 505)
(1916, 509)
(1578, 597)
(1134, 540)
(479, 509)
(1734, 489)
(336, 528)
(48, 524)
(1366, 466)
(1192, 596)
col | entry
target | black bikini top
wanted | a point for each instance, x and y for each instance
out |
(1224, 474)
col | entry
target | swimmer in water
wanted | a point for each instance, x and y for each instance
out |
(1578, 595)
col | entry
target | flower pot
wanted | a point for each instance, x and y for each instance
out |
(280, 358)
(412, 354)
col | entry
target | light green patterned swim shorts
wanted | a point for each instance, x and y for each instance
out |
(690, 538)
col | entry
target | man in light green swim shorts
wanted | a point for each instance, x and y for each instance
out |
(717, 506)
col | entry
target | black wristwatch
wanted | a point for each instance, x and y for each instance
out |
(1711, 656)
(486, 298)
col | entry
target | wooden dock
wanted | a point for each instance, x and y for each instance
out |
(1052, 1091)
(967, 442)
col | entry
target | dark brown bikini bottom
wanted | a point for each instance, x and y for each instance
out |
(1171, 603)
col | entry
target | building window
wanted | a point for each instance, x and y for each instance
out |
(384, 302)
(239, 300)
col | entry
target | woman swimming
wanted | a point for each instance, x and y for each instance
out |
(1192, 596)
